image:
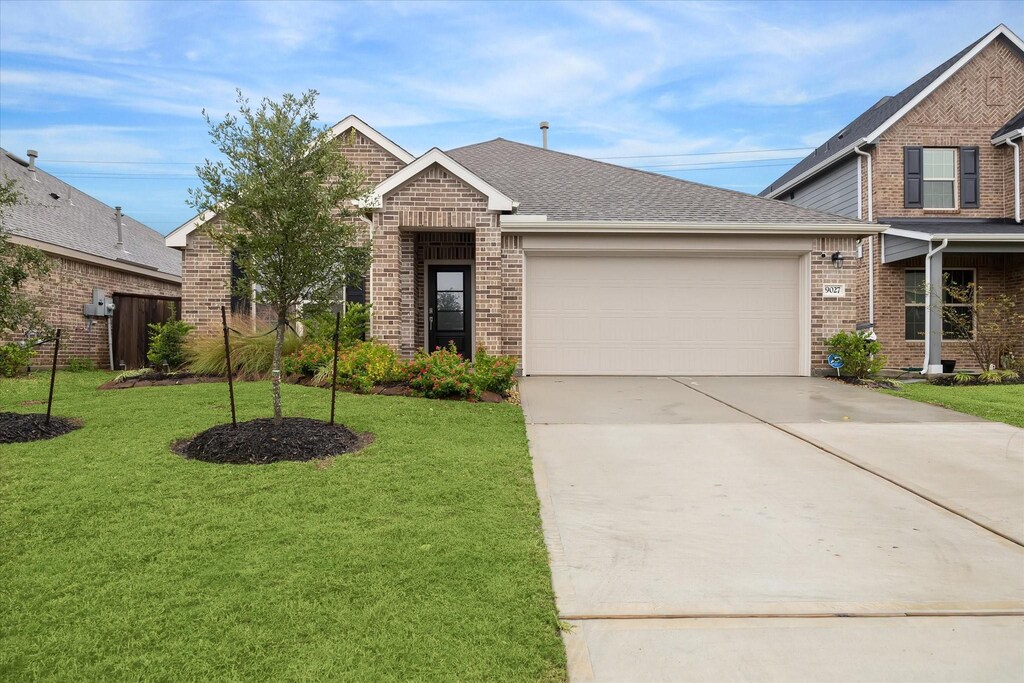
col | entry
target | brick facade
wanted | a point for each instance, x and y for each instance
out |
(962, 112)
(205, 283)
(67, 288)
(829, 316)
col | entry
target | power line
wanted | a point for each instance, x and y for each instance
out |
(716, 163)
(707, 154)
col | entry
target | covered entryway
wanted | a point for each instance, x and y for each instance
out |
(654, 314)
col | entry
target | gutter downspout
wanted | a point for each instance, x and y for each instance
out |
(871, 209)
(1016, 177)
(871, 238)
(928, 289)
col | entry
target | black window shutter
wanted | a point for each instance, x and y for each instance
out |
(913, 185)
(969, 197)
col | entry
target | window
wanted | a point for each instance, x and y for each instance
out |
(939, 178)
(957, 302)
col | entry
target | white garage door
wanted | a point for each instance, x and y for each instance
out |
(665, 315)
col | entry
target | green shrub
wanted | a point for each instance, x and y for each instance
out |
(442, 374)
(963, 378)
(14, 358)
(493, 373)
(862, 357)
(991, 377)
(365, 365)
(80, 364)
(355, 324)
(167, 341)
(307, 360)
(251, 353)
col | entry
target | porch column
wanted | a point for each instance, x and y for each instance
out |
(488, 284)
(934, 314)
(407, 294)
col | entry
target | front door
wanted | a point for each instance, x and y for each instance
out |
(449, 306)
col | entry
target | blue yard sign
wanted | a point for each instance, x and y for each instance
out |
(836, 361)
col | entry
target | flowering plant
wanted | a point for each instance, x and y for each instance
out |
(442, 374)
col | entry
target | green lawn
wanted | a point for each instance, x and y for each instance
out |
(1000, 403)
(418, 558)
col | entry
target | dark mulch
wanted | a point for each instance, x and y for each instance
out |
(874, 383)
(23, 427)
(259, 442)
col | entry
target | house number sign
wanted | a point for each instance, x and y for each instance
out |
(834, 291)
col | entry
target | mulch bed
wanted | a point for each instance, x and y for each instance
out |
(975, 381)
(260, 442)
(24, 427)
(879, 383)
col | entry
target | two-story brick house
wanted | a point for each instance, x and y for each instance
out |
(939, 165)
(577, 266)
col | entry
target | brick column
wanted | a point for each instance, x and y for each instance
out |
(488, 286)
(384, 279)
(407, 293)
(512, 294)
(205, 283)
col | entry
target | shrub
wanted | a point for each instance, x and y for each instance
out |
(493, 373)
(167, 341)
(862, 357)
(365, 365)
(442, 374)
(14, 358)
(353, 329)
(963, 378)
(80, 364)
(307, 360)
(251, 353)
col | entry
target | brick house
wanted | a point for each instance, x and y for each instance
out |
(577, 266)
(938, 167)
(95, 251)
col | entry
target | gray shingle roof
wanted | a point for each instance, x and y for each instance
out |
(74, 220)
(565, 187)
(864, 124)
(1016, 123)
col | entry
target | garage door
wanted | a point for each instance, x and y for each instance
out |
(671, 315)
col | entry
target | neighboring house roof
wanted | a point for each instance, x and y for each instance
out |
(866, 128)
(965, 229)
(55, 214)
(564, 187)
(1011, 129)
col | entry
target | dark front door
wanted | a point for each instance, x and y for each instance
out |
(449, 306)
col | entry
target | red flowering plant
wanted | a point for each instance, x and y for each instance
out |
(307, 360)
(493, 373)
(442, 374)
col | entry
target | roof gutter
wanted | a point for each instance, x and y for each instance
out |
(509, 224)
(816, 169)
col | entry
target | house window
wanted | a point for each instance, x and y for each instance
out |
(957, 302)
(939, 178)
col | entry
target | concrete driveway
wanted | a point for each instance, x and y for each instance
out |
(777, 529)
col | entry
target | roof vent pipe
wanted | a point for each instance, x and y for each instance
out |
(120, 235)
(32, 156)
(544, 125)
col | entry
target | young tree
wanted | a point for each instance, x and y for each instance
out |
(283, 199)
(17, 264)
(988, 324)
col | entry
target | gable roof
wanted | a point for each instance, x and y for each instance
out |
(496, 199)
(54, 213)
(177, 237)
(866, 128)
(1011, 129)
(565, 187)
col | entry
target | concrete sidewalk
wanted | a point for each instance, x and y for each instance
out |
(674, 498)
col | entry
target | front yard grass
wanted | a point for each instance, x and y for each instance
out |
(420, 557)
(1000, 403)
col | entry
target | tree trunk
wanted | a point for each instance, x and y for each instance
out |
(275, 374)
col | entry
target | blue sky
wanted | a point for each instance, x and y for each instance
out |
(111, 93)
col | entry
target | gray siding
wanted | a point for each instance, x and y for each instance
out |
(897, 248)
(834, 192)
